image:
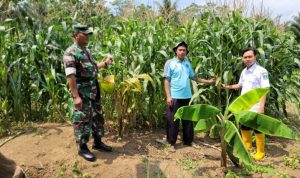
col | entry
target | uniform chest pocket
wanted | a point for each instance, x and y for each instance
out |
(253, 81)
(87, 65)
(88, 69)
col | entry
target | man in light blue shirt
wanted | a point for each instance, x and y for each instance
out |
(177, 75)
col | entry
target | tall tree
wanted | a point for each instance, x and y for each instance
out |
(168, 11)
(145, 12)
(123, 8)
(190, 12)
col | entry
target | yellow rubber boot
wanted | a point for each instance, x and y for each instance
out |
(260, 146)
(247, 139)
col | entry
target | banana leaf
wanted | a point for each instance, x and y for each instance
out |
(247, 100)
(204, 125)
(237, 150)
(215, 131)
(196, 112)
(265, 124)
(234, 159)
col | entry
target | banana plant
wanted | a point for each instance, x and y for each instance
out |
(210, 118)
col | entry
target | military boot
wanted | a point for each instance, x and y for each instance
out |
(100, 146)
(85, 153)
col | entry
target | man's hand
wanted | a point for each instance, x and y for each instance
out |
(77, 102)
(231, 87)
(169, 101)
(212, 80)
(109, 59)
(223, 86)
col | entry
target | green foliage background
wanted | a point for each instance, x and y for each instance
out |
(34, 35)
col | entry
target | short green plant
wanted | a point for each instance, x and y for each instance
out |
(166, 148)
(62, 170)
(195, 175)
(145, 160)
(231, 174)
(76, 169)
(159, 173)
(282, 175)
(187, 164)
(86, 175)
(292, 162)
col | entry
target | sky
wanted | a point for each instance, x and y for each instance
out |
(286, 9)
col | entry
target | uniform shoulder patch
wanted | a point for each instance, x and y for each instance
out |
(265, 75)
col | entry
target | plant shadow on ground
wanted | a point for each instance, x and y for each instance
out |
(149, 169)
(131, 144)
(275, 147)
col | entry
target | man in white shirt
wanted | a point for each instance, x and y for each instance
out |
(253, 76)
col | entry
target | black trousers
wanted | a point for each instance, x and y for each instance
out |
(172, 127)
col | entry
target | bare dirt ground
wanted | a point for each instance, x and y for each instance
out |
(49, 151)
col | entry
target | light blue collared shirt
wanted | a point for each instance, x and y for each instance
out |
(179, 74)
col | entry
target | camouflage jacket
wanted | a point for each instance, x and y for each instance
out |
(79, 62)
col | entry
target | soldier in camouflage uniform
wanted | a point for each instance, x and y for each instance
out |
(81, 71)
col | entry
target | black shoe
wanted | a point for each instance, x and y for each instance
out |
(101, 146)
(85, 153)
(187, 144)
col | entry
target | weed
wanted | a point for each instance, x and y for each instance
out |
(187, 164)
(166, 148)
(231, 174)
(86, 175)
(145, 160)
(76, 169)
(62, 170)
(159, 172)
(282, 175)
(292, 162)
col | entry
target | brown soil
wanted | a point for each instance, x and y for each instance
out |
(50, 151)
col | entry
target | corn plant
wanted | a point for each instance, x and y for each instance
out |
(128, 96)
(5, 116)
(34, 35)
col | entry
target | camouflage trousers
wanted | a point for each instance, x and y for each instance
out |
(88, 119)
